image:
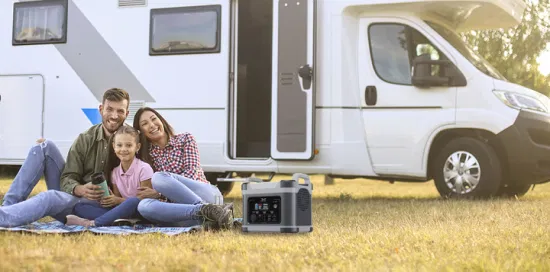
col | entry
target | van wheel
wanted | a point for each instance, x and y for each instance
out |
(514, 190)
(224, 187)
(467, 168)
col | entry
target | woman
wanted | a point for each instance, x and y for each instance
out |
(178, 173)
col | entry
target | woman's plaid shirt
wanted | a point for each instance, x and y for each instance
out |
(180, 156)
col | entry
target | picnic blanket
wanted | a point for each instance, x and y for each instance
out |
(56, 227)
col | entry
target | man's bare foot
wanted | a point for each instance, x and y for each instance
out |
(75, 220)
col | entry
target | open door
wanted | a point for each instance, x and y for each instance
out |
(292, 111)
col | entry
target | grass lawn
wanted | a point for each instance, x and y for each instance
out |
(358, 225)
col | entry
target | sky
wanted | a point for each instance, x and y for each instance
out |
(544, 61)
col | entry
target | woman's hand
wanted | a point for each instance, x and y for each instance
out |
(111, 201)
(146, 192)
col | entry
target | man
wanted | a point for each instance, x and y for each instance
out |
(86, 156)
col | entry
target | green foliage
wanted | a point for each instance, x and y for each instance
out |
(514, 51)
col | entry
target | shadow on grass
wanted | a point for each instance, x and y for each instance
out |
(8, 171)
(346, 198)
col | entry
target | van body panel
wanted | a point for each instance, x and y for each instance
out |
(404, 116)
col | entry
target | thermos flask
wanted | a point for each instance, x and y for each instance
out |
(99, 179)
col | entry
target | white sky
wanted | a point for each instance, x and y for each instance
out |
(544, 61)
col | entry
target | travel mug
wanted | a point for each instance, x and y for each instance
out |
(99, 179)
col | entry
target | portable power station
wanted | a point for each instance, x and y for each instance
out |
(283, 206)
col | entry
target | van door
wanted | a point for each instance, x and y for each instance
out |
(21, 109)
(292, 81)
(399, 117)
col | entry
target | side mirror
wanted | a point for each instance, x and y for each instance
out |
(449, 75)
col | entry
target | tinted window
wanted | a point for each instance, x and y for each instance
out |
(185, 30)
(393, 48)
(39, 22)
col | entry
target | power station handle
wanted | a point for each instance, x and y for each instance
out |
(305, 177)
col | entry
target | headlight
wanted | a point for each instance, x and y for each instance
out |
(521, 101)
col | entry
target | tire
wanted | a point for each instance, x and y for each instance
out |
(483, 178)
(514, 190)
(224, 187)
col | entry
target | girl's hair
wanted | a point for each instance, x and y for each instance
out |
(112, 160)
(146, 144)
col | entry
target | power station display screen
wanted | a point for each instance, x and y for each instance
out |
(264, 210)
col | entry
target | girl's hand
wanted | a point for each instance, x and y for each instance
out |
(111, 201)
(146, 192)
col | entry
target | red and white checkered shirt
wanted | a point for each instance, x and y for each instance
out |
(180, 156)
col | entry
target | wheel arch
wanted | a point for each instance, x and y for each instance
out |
(445, 136)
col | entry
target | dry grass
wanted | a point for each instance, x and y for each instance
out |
(358, 225)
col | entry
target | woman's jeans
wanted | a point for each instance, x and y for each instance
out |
(186, 194)
(106, 216)
(43, 159)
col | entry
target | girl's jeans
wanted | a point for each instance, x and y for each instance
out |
(106, 216)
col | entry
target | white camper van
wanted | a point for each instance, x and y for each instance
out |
(345, 88)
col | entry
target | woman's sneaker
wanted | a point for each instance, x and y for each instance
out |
(215, 216)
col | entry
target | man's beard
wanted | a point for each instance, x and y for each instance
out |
(112, 128)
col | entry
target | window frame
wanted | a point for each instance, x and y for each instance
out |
(182, 10)
(24, 4)
(409, 41)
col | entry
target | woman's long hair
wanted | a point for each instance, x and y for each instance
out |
(112, 160)
(145, 143)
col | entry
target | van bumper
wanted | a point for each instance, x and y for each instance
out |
(527, 149)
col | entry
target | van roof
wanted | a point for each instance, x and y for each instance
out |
(461, 15)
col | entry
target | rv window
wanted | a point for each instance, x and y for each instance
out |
(185, 30)
(40, 22)
(393, 49)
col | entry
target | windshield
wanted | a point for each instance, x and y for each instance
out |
(464, 49)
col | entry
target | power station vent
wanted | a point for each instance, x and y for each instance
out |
(304, 199)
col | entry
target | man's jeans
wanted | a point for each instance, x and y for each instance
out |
(187, 195)
(43, 159)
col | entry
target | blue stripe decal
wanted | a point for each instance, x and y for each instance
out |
(93, 115)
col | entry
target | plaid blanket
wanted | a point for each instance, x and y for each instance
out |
(56, 227)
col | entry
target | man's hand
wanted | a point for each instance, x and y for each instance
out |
(146, 192)
(110, 201)
(41, 140)
(89, 191)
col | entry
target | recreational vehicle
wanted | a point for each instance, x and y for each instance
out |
(380, 89)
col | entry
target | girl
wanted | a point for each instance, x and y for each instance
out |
(129, 174)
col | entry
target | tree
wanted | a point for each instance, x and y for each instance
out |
(514, 52)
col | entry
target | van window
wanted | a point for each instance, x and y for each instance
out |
(479, 62)
(394, 47)
(39, 22)
(185, 30)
